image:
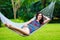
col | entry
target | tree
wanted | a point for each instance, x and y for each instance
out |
(16, 5)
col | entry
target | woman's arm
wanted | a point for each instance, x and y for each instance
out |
(46, 19)
(30, 20)
(26, 24)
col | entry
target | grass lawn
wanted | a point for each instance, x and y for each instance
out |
(48, 32)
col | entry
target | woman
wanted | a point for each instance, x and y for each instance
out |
(31, 25)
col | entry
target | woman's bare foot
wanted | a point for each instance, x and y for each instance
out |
(8, 25)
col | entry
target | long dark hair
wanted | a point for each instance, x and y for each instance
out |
(41, 20)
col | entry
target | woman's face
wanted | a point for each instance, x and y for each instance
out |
(39, 16)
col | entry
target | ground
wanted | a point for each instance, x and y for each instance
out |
(47, 32)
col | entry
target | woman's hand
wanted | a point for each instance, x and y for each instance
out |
(46, 19)
(25, 25)
(8, 25)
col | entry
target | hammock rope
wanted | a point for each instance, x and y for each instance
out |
(48, 11)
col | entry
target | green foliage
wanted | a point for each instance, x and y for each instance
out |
(28, 8)
(25, 11)
(57, 10)
(6, 8)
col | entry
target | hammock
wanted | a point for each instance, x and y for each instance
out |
(48, 11)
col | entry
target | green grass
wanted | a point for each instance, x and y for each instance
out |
(48, 32)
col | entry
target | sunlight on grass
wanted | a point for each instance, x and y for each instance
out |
(17, 20)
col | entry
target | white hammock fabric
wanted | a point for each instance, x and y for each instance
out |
(48, 11)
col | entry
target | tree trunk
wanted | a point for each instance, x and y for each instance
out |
(15, 5)
(44, 3)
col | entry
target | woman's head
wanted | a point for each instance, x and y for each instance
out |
(39, 16)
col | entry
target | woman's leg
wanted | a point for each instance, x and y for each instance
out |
(24, 30)
(14, 30)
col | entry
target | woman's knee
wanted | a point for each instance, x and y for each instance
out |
(26, 29)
